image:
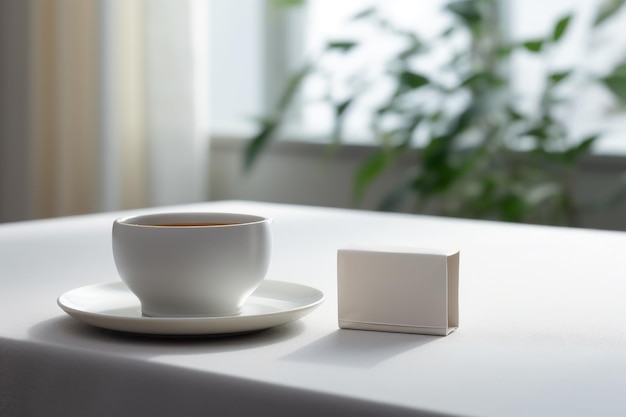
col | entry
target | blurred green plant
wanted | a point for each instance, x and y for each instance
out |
(474, 151)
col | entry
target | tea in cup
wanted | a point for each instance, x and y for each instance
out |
(192, 264)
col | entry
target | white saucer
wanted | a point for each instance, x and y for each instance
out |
(113, 306)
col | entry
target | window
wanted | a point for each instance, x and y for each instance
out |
(246, 67)
(331, 21)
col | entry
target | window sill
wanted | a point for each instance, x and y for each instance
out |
(610, 155)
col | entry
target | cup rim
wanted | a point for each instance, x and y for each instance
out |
(137, 220)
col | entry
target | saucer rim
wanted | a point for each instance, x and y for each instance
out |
(202, 325)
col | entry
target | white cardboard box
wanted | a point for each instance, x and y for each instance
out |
(398, 289)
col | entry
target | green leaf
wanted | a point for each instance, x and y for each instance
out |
(269, 126)
(620, 70)
(415, 47)
(538, 132)
(436, 151)
(617, 85)
(534, 45)
(473, 78)
(343, 46)
(607, 9)
(561, 27)
(369, 171)
(557, 77)
(340, 110)
(482, 78)
(504, 51)
(585, 145)
(572, 154)
(514, 114)
(343, 106)
(449, 31)
(409, 52)
(438, 173)
(293, 85)
(406, 133)
(413, 80)
(513, 208)
(467, 10)
(465, 119)
(365, 13)
(259, 142)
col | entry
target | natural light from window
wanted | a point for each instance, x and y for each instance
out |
(240, 77)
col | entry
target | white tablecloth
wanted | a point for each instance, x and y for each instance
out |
(542, 328)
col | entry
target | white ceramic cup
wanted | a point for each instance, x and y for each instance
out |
(192, 264)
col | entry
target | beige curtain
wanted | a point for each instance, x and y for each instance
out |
(124, 182)
(87, 114)
(64, 106)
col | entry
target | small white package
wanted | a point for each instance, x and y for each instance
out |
(398, 289)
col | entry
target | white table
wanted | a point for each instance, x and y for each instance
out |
(542, 328)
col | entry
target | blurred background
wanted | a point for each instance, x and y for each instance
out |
(497, 109)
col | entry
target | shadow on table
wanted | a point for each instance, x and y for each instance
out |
(357, 348)
(65, 331)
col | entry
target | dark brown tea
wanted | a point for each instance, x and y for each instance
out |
(204, 224)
